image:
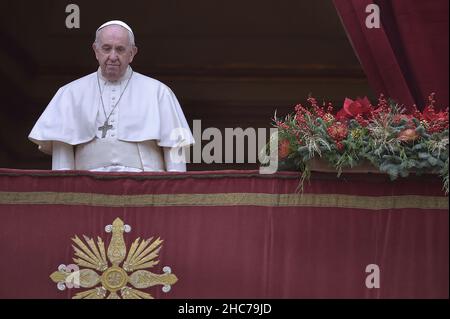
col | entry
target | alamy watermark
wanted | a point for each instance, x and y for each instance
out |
(73, 19)
(373, 279)
(373, 19)
(257, 145)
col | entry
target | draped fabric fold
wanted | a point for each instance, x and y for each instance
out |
(407, 57)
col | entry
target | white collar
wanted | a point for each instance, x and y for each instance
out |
(119, 81)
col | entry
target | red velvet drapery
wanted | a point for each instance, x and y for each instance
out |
(234, 234)
(407, 57)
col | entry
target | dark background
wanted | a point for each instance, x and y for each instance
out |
(231, 63)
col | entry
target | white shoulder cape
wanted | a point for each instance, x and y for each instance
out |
(148, 110)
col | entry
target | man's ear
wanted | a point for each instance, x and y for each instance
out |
(94, 47)
(134, 51)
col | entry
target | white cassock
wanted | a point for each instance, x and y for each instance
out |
(148, 126)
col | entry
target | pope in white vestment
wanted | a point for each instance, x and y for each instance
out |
(114, 119)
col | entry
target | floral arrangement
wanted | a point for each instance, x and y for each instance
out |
(394, 139)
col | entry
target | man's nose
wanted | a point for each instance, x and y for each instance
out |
(113, 55)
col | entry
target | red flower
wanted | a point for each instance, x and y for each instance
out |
(338, 131)
(436, 121)
(430, 115)
(353, 108)
(437, 126)
(284, 148)
(300, 119)
(339, 146)
(362, 121)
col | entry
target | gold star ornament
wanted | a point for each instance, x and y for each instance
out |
(123, 276)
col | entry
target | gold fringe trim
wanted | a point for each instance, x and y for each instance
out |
(227, 199)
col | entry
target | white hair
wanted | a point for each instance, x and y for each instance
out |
(130, 36)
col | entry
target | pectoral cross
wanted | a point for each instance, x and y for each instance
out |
(105, 128)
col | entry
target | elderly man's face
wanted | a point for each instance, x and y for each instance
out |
(113, 51)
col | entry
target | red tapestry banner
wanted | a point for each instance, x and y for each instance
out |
(224, 234)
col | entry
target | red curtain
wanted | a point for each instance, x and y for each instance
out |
(407, 57)
(234, 234)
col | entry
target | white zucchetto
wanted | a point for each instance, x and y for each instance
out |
(116, 22)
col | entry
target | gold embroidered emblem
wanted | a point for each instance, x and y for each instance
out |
(92, 270)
